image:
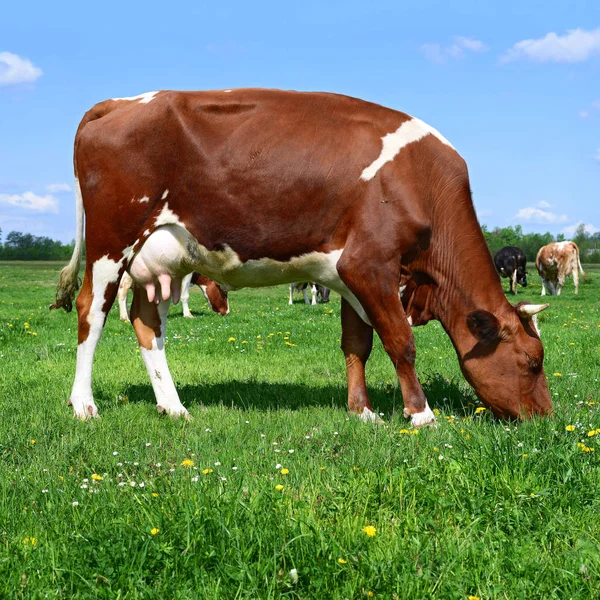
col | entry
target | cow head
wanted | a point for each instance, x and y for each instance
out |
(505, 361)
(214, 293)
(323, 292)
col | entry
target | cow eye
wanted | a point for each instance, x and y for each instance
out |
(534, 363)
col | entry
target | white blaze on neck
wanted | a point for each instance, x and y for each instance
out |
(409, 132)
(143, 98)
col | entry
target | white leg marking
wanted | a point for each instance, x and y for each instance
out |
(368, 416)
(313, 291)
(543, 288)
(513, 286)
(409, 132)
(104, 272)
(185, 295)
(167, 399)
(423, 418)
(124, 287)
(291, 301)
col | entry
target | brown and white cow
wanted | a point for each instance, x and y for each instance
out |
(261, 187)
(555, 262)
(215, 296)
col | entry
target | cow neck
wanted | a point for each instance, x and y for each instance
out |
(461, 265)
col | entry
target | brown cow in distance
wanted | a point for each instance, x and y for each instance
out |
(258, 187)
(555, 262)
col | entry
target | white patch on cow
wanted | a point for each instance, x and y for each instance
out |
(142, 199)
(425, 417)
(409, 319)
(165, 194)
(368, 416)
(409, 132)
(167, 217)
(143, 98)
(104, 272)
(167, 399)
(146, 232)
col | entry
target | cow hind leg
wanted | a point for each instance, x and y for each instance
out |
(150, 323)
(513, 283)
(97, 295)
(378, 296)
(576, 279)
(357, 342)
(313, 291)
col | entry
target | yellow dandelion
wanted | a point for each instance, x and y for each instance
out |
(290, 344)
(474, 598)
(188, 462)
(155, 494)
(342, 561)
(370, 594)
(436, 412)
(592, 432)
(369, 530)
(525, 455)
(231, 339)
(404, 431)
(32, 442)
(284, 471)
(557, 374)
(278, 487)
(570, 427)
(154, 530)
(587, 449)
(480, 409)
(30, 540)
(97, 477)
(258, 337)
(207, 471)
(26, 325)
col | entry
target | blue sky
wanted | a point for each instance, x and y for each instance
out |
(514, 86)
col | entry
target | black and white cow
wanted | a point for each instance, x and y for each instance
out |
(511, 262)
(316, 289)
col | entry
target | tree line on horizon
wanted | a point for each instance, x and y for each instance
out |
(25, 246)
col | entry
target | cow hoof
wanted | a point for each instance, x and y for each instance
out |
(422, 419)
(177, 411)
(368, 416)
(84, 409)
(189, 316)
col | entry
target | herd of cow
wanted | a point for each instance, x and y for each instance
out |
(256, 188)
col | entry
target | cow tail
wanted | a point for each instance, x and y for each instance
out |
(68, 282)
(580, 267)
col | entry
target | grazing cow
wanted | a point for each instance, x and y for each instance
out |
(215, 296)
(511, 262)
(554, 262)
(316, 290)
(261, 187)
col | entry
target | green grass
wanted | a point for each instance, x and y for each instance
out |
(475, 507)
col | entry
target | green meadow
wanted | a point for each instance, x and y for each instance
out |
(272, 490)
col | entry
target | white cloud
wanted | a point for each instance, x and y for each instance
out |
(543, 204)
(16, 69)
(576, 45)
(589, 228)
(439, 54)
(536, 215)
(31, 201)
(584, 114)
(57, 188)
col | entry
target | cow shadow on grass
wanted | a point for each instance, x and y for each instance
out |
(448, 396)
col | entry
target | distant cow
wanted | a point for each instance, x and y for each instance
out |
(511, 262)
(556, 261)
(216, 297)
(257, 188)
(316, 289)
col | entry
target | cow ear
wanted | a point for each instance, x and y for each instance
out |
(484, 326)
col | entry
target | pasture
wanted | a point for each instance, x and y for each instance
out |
(272, 490)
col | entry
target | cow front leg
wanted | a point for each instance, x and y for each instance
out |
(378, 296)
(124, 287)
(513, 283)
(150, 323)
(357, 342)
(186, 284)
(97, 295)
(291, 294)
(543, 287)
(313, 291)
